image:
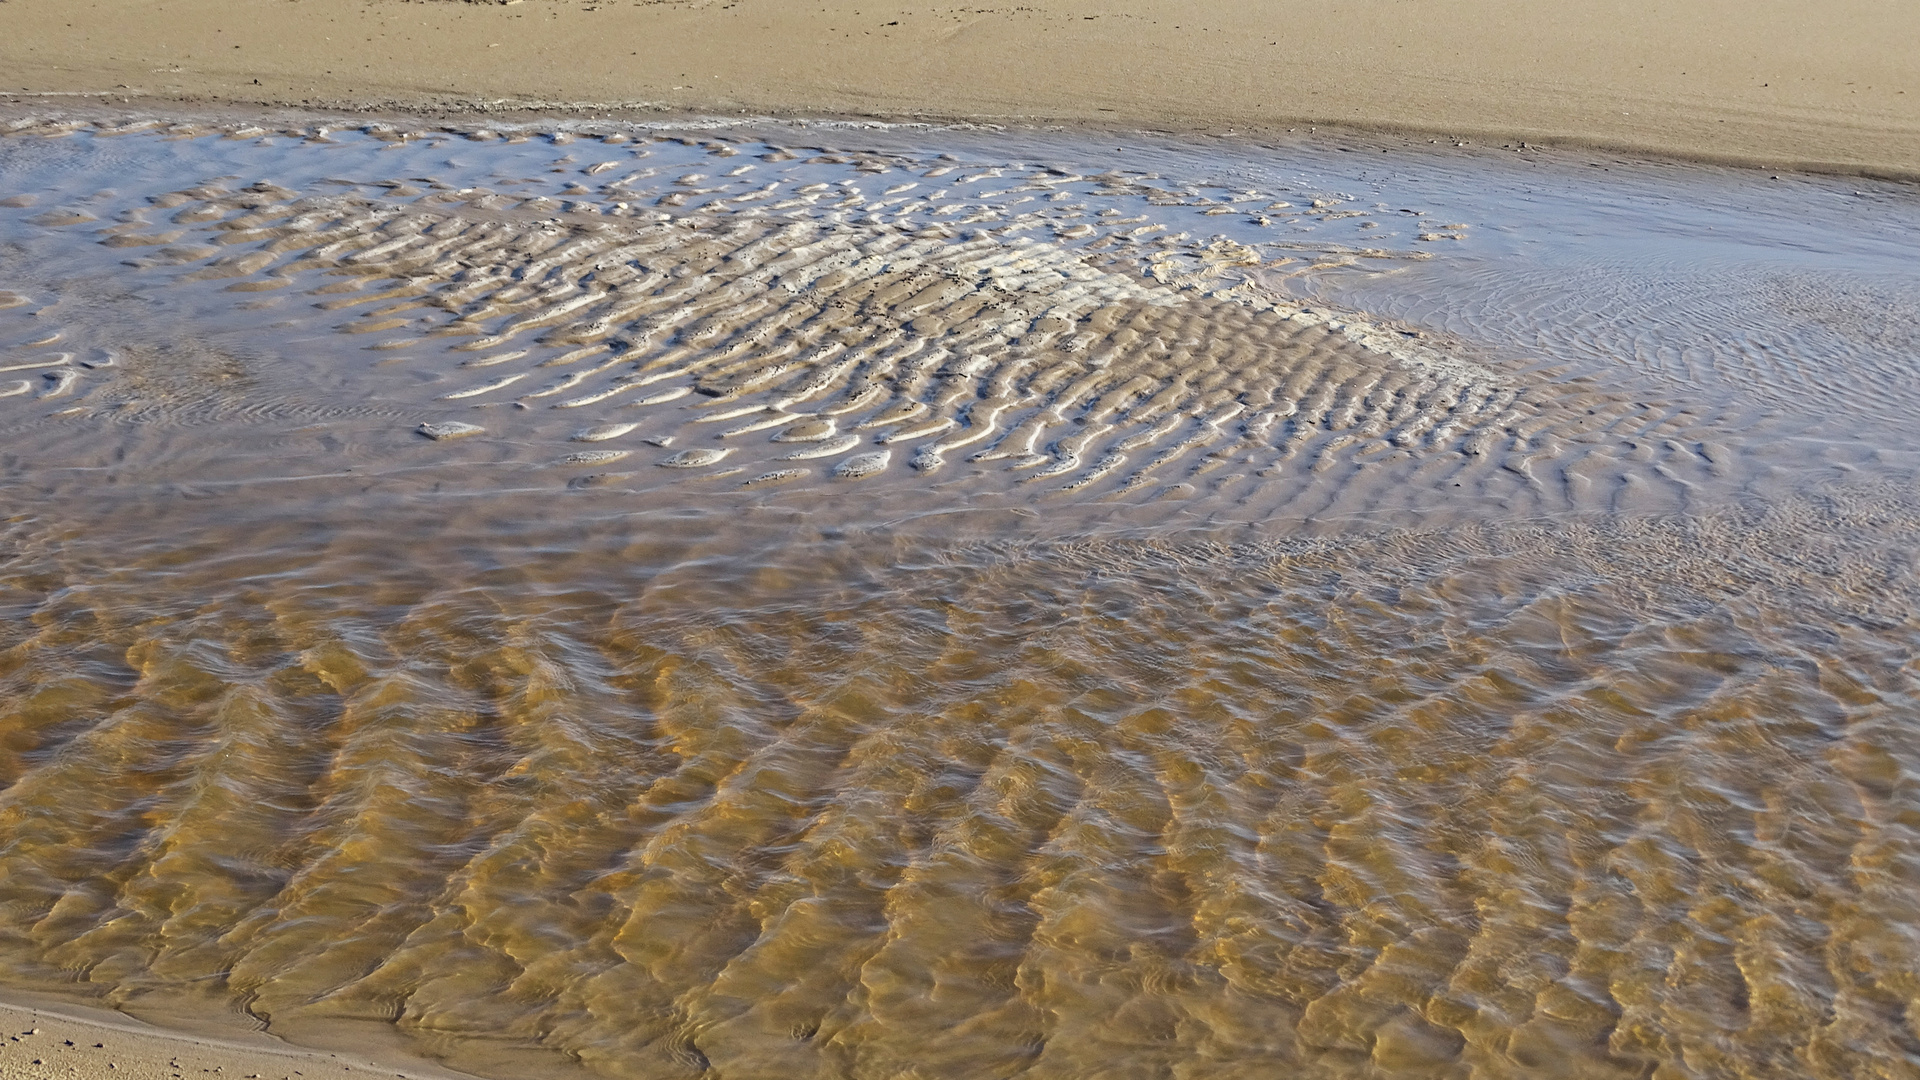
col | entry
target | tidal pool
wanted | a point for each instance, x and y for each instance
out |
(845, 601)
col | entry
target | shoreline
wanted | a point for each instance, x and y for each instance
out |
(594, 120)
(1761, 86)
(1277, 135)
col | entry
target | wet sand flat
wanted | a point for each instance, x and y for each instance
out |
(760, 316)
(1831, 85)
(723, 601)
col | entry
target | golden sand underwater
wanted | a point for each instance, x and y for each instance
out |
(787, 600)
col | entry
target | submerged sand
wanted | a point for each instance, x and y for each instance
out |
(1760, 81)
(1452, 712)
(916, 834)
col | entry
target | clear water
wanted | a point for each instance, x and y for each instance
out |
(1492, 654)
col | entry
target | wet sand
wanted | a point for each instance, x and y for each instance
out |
(43, 1037)
(1770, 82)
(711, 604)
(729, 318)
(1518, 803)
(1142, 613)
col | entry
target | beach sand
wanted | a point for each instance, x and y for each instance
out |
(48, 1038)
(1761, 82)
(1766, 82)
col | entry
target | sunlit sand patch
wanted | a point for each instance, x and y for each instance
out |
(863, 465)
(54, 219)
(594, 457)
(831, 447)
(450, 429)
(55, 361)
(695, 459)
(809, 431)
(777, 476)
(603, 432)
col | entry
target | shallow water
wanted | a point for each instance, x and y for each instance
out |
(1458, 623)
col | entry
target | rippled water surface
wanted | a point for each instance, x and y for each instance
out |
(812, 601)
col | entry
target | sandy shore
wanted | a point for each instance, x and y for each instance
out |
(1761, 81)
(1757, 82)
(45, 1038)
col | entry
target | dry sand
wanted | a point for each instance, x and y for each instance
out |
(44, 1038)
(1777, 82)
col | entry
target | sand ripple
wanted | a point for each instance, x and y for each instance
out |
(1013, 632)
(999, 332)
(1529, 802)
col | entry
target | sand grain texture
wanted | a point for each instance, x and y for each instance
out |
(41, 1040)
(1767, 81)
